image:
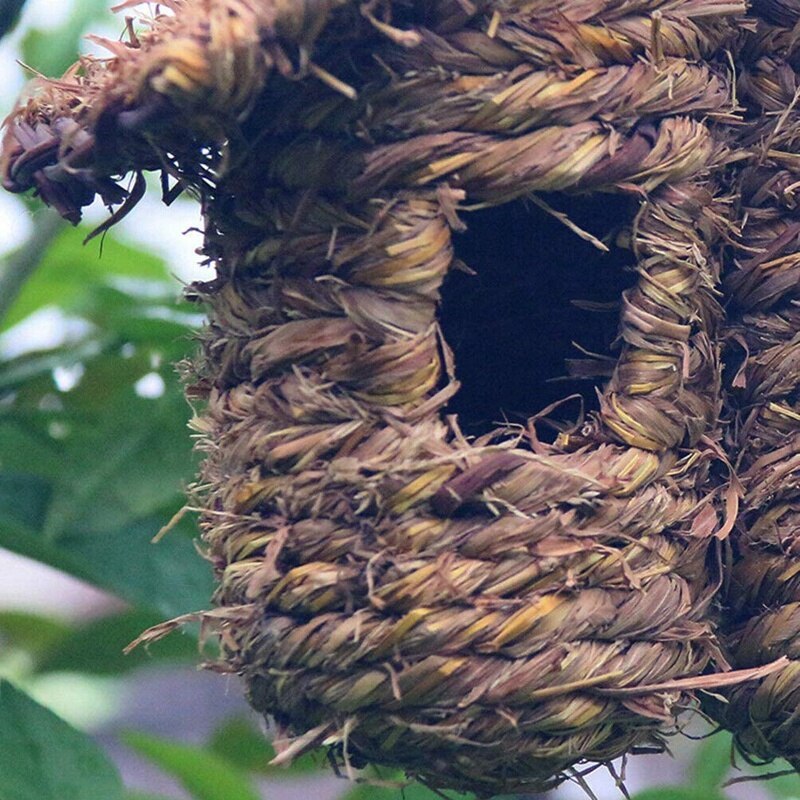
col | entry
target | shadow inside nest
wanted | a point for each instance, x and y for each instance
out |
(538, 319)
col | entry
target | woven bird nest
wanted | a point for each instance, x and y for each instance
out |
(479, 604)
(762, 337)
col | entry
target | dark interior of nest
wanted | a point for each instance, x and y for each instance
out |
(539, 299)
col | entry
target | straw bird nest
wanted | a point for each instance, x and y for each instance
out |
(762, 390)
(414, 207)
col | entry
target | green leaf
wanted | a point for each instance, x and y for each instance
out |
(168, 578)
(787, 787)
(783, 787)
(71, 273)
(26, 444)
(678, 793)
(404, 791)
(129, 462)
(24, 500)
(203, 773)
(712, 761)
(97, 648)
(89, 475)
(141, 796)
(239, 742)
(43, 758)
(99, 469)
(15, 372)
(104, 489)
(51, 52)
(31, 632)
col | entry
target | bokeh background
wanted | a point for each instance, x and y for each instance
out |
(94, 456)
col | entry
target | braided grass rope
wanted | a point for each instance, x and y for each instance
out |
(763, 345)
(485, 614)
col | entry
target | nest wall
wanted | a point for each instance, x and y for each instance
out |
(487, 614)
(762, 345)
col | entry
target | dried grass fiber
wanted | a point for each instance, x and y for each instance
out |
(762, 336)
(491, 614)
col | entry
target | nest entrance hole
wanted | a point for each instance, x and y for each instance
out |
(514, 324)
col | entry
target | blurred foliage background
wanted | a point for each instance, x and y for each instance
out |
(94, 456)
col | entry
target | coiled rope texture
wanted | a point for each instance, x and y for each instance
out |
(763, 350)
(486, 615)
